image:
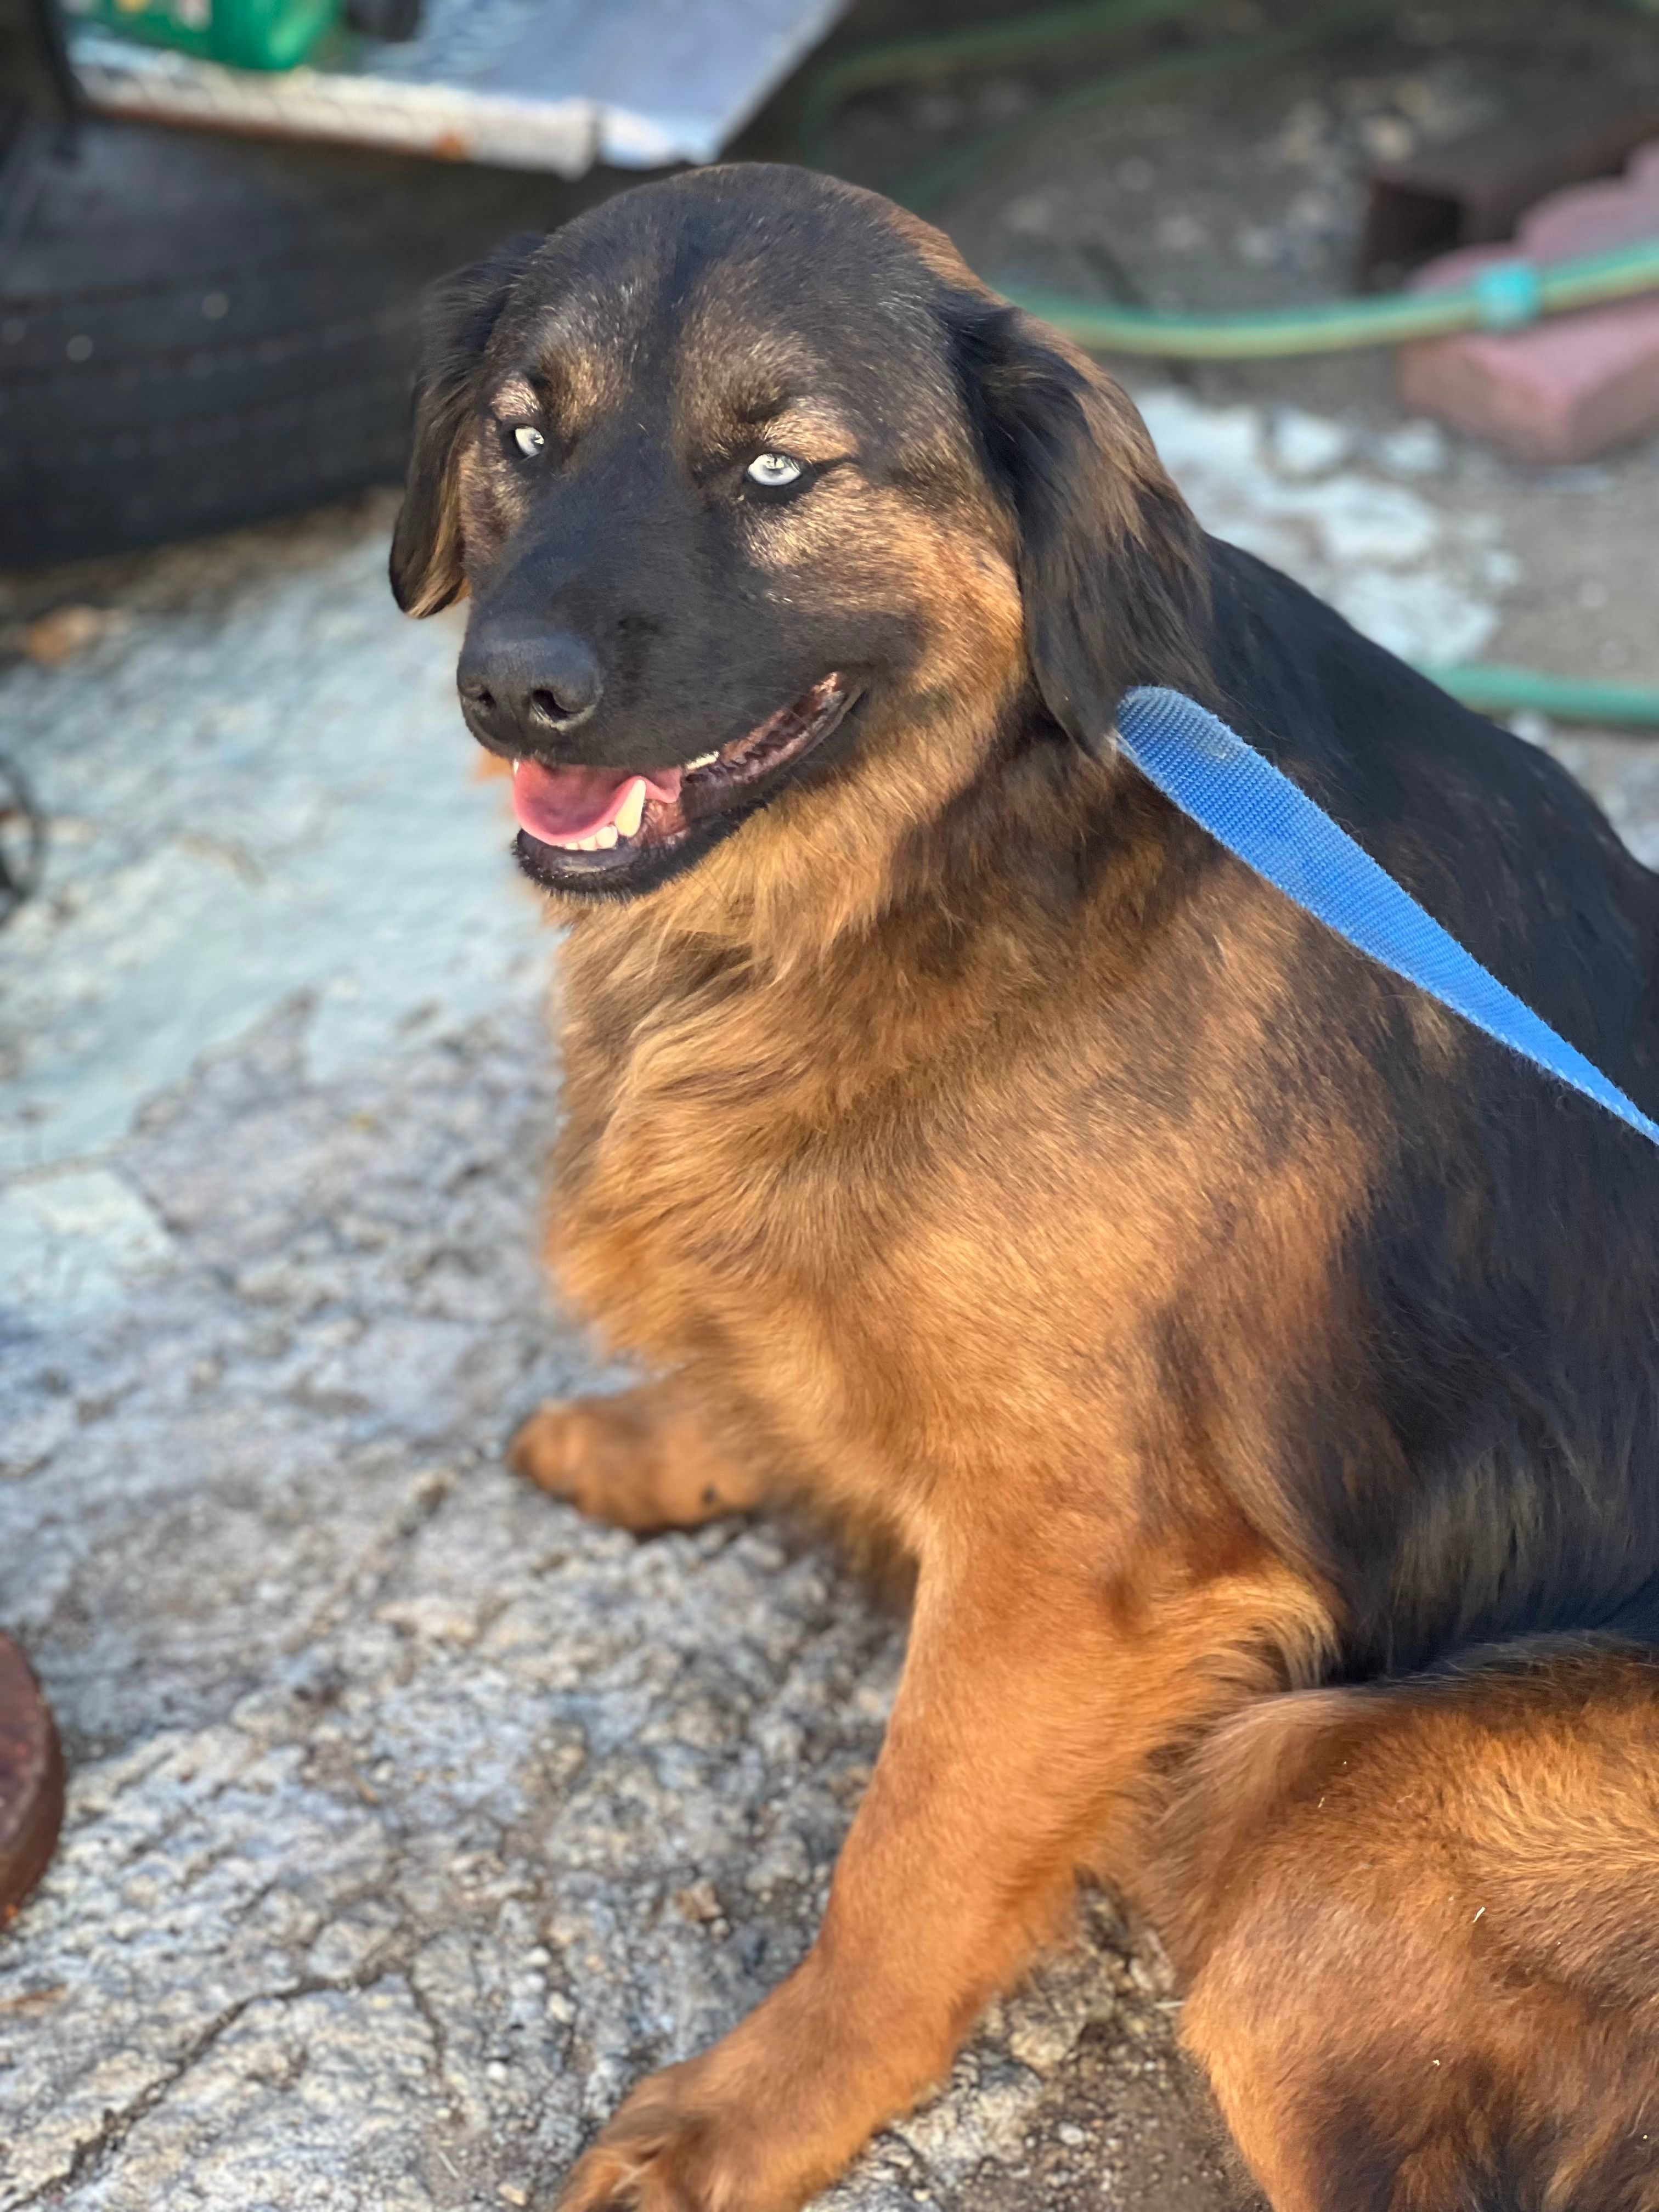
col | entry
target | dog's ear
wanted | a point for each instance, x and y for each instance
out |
(1112, 568)
(458, 315)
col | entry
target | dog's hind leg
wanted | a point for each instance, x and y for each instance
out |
(1422, 1926)
(642, 1460)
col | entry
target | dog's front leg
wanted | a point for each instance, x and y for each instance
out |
(1005, 1745)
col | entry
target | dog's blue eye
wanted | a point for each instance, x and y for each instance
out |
(772, 471)
(528, 440)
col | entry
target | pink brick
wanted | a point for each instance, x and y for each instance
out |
(1568, 388)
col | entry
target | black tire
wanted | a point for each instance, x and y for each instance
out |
(198, 331)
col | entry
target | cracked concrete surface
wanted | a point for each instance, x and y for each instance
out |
(412, 1818)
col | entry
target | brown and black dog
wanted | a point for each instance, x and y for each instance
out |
(1258, 1370)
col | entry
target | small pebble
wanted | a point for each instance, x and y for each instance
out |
(53, 639)
(699, 1901)
(1031, 214)
(1388, 138)
(938, 111)
(1304, 444)
(1415, 449)
(1180, 232)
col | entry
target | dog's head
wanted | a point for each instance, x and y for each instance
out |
(776, 524)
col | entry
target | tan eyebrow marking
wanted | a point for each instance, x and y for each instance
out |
(813, 425)
(518, 396)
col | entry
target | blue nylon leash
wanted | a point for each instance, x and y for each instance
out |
(1263, 819)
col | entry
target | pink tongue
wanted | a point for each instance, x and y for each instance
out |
(555, 803)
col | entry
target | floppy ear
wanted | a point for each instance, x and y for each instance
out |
(457, 317)
(1112, 565)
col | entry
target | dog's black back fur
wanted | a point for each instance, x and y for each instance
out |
(1510, 1306)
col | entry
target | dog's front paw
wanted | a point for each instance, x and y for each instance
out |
(671, 2149)
(584, 1451)
(619, 1460)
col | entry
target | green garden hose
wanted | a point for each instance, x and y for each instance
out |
(1492, 688)
(1505, 296)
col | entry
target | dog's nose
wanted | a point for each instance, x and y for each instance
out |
(525, 686)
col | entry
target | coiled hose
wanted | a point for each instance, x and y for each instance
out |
(1506, 296)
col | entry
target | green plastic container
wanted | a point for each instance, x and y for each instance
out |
(251, 34)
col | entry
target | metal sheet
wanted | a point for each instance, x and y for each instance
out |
(528, 84)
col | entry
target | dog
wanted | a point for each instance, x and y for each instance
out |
(1257, 1369)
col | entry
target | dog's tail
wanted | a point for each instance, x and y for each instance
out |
(1420, 1922)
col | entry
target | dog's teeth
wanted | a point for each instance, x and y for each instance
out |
(629, 815)
(701, 761)
(517, 765)
(604, 839)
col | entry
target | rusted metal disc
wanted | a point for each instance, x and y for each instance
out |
(31, 1781)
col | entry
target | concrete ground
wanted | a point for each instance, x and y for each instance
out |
(411, 1817)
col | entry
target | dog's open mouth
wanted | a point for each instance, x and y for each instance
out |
(585, 825)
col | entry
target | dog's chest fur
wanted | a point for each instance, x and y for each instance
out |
(728, 1195)
(921, 1227)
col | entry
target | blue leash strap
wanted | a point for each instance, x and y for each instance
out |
(1262, 818)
